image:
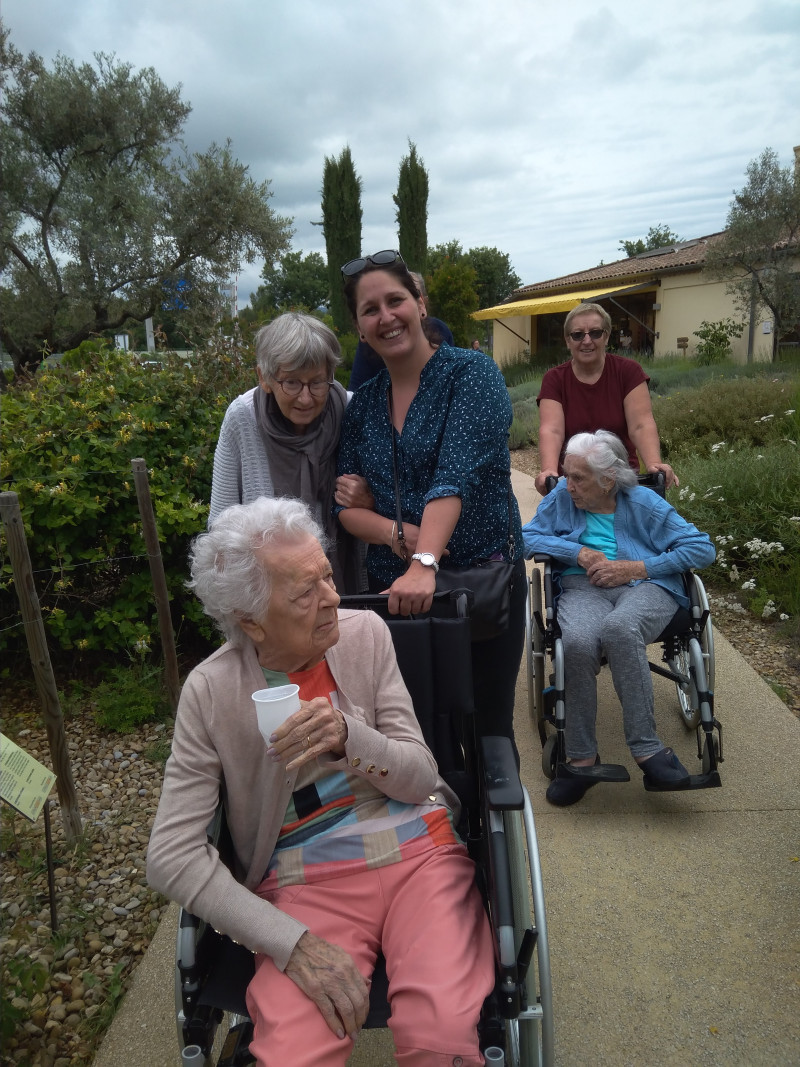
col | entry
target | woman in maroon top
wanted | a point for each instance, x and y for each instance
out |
(596, 390)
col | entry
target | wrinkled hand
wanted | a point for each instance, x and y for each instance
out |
(670, 477)
(312, 731)
(328, 976)
(541, 478)
(610, 573)
(413, 591)
(353, 491)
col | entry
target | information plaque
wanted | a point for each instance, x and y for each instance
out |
(24, 782)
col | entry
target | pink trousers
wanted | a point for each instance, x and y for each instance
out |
(427, 916)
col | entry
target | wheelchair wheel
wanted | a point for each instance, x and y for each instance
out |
(523, 1045)
(534, 645)
(687, 697)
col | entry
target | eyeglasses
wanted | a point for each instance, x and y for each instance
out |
(578, 335)
(380, 259)
(293, 387)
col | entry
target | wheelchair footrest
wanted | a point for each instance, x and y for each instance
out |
(600, 772)
(695, 781)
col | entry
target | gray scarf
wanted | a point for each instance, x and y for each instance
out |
(303, 465)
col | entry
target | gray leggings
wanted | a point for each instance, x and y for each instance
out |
(615, 623)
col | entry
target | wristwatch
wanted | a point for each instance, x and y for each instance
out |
(427, 559)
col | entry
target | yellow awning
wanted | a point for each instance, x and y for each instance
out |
(546, 305)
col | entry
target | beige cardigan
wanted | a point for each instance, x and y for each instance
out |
(217, 740)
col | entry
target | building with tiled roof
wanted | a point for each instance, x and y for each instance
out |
(658, 298)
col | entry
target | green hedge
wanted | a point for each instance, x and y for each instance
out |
(69, 436)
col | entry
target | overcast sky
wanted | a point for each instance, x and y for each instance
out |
(550, 129)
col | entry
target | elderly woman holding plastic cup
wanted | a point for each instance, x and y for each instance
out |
(342, 829)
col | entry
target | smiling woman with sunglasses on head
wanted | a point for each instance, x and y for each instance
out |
(281, 438)
(596, 390)
(437, 417)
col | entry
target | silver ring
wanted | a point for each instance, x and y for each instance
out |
(308, 741)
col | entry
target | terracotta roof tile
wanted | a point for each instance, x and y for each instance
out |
(687, 255)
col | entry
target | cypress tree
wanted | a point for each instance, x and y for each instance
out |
(411, 200)
(341, 224)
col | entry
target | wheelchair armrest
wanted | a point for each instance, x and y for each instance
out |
(500, 774)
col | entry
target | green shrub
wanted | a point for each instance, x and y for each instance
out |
(525, 426)
(68, 439)
(130, 696)
(738, 411)
(525, 367)
(715, 341)
(747, 500)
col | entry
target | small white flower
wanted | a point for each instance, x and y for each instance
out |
(789, 412)
(733, 574)
(783, 616)
(766, 418)
(769, 609)
(717, 446)
(749, 584)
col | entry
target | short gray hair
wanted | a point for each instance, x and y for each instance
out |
(606, 457)
(295, 341)
(583, 309)
(227, 576)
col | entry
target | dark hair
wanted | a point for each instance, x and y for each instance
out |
(397, 269)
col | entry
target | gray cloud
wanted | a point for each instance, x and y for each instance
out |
(549, 130)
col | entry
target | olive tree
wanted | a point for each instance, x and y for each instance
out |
(104, 215)
(759, 253)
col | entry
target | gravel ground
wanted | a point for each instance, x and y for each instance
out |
(65, 987)
(106, 912)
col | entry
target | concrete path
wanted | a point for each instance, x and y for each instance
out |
(674, 918)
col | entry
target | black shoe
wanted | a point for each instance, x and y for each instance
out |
(664, 769)
(565, 791)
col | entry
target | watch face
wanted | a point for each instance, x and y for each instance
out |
(427, 558)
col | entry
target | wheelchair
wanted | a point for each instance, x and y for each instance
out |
(516, 1028)
(687, 659)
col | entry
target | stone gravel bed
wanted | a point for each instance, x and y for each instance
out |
(106, 913)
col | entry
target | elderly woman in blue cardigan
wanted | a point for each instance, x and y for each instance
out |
(620, 550)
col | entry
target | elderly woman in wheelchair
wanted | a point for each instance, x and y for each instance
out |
(621, 550)
(341, 827)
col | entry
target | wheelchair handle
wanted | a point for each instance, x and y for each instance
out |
(550, 483)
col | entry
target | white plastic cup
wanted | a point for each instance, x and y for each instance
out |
(274, 706)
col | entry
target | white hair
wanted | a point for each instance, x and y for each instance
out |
(295, 341)
(227, 576)
(606, 457)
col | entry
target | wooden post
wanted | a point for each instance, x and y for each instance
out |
(150, 531)
(42, 666)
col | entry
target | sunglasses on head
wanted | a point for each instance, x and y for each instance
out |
(380, 259)
(578, 335)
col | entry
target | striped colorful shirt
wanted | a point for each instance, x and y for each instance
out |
(339, 823)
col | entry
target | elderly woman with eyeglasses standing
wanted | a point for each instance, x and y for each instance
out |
(596, 390)
(280, 439)
(439, 416)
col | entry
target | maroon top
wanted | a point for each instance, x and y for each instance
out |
(588, 408)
